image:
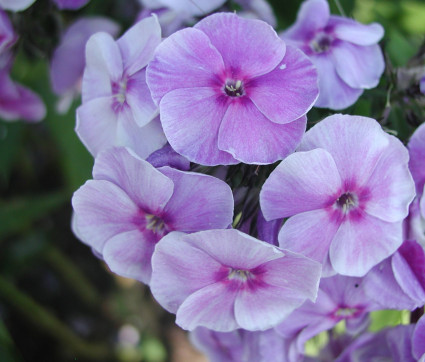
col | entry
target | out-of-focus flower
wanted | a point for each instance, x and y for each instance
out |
(224, 280)
(345, 52)
(166, 156)
(18, 102)
(187, 7)
(130, 205)
(7, 35)
(117, 107)
(67, 64)
(240, 345)
(257, 9)
(339, 298)
(220, 103)
(70, 4)
(16, 5)
(422, 84)
(399, 281)
(346, 192)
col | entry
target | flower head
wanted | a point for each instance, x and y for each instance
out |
(344, 51)
(220, 102)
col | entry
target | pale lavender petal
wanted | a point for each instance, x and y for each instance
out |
(142, 140)
(351, 31)
(138, 44)
(244, 126)
(418, 338)
(97, 124)
(186, 210)
(312, 16)
(361, 242)
(7, 35)
(138, 97)
(289, 281)
(358, 139)
(191, 119)
(146, 186)
(186, 49)
(334, 92)
(381, 286)
(211, 307)
(102, 211)
(16, 5)
(234, 248)
(358, 66)
(408, 265)
(390, 188)
(259, 9)
(245, 39)
(128, 254)
(310, 234)
(198, 7)
(166, 156)
(268, 230)
(103, 66)
(289, 91)
(70, 4)
(179, 269)
(417, 156)
(302, 182)
(67, 64)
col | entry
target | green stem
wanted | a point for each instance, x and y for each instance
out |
(72, 276)
(48, 323)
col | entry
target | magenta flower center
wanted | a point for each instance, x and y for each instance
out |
(234, 88)
(241, 275)
(346, 201)
(321, 42)
(155, 224)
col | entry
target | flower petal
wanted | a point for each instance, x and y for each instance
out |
(350, 30)
(186, 59)
(302, 182)
(359, 67)
(251, 138)
(361, 242)
(417, 156)
(186, 209)
(289, 91)
(240, 41)
(191, 119)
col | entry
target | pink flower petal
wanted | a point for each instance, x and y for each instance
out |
(417, 156)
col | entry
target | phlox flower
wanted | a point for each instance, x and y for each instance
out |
(346, 192)
(117, 108)
(224, 280)
(240, 345)
(67, 63)
(339, 298)
(220, 102)
(186, 7)
(129, 205)
(399, 281)
(345, 52)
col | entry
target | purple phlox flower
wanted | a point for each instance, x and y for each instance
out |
(391, 344)
(339, 298)
(418, 339)
(224, 280)
(240, 345)
(117, 107)
(16, 5)
(220, 103)
(346, 192)
(166, 156)
(16, 101)
(130, 205)
(399, 281)
(67, 64)
(345, 52)
(70, 4)
(7, 35)
(257, 9)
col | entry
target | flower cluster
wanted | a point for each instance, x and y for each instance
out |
(257, 232)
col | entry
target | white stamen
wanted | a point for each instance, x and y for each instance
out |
(282, 67)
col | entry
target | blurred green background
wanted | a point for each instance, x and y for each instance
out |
(58, 302)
